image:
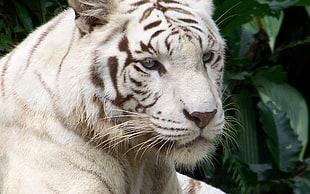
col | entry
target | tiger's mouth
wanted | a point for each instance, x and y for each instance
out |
(164, 144)
(196, 141)
(165, 135)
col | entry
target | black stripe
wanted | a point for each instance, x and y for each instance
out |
(167, 44)
(4, 70)
(67, 52)
(95, 77)
(191, 21)
(146, 14)
(180, 10)
(146, 97)
(137, 83)
(171, 1)
(41, 38)
(142, 92)
(151, 104)
(200, 41)
(123, 46)
(144, 47)
(113, 67)
(197, 28)
(216, 62)
(140, 3)
(152, 25)
(100, 105)
(43, 83)
(156, 34)
(137, 68)
(138, 52)
(91, 172)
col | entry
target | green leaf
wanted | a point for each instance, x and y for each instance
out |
(231, 14)
(261, 170)
(271, 25)
(307, 162)
(308, 10)
(237, 76)
(239, 41)
(248, 136)
(302, 185)
(24, 16)
(303, 3)
(240, 171)
(287, 99)
(279, 4)
(282, 141)
(6, 43)
(273, 74)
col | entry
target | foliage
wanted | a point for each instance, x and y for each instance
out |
(266, 80)
(265, 57)
(19, 17)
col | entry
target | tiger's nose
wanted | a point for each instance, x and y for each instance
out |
(201, 119)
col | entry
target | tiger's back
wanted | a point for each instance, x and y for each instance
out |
(80, 113)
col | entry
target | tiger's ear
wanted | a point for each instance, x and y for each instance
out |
(91, 13)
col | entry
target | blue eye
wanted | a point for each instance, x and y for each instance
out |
(149, 63)
(207, 57)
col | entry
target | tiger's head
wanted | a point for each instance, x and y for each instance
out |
(161, 61)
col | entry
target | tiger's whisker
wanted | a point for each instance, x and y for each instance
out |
(227, 11)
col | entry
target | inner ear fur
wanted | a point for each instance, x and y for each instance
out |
(91, 13)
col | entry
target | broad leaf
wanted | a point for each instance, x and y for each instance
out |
(282, 4)
(237, 76)
(232, 14)
(6, 43)
(24, 16)
(279, 4)
(248, 144)
(271, 25)
(289, 100)
(303, 3)
(262, 170)
(302, 185)
(282, 141)
(308, 10)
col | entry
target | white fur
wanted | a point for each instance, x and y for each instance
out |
(50, 132)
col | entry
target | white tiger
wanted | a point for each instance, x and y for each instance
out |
(109, 95)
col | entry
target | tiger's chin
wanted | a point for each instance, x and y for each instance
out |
(193, 152)
(188, 154)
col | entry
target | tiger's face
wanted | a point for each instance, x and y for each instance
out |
(166, 62)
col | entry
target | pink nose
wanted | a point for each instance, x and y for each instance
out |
(201, 119)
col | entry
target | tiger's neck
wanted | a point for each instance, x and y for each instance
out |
(150, 173)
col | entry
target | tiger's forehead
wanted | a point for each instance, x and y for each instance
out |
(157, 12)
(163, 25)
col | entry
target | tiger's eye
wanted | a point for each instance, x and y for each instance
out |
(149, 63)
(207, 57)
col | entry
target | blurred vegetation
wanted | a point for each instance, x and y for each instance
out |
(20, 17)
(266, 97)
(266, 148)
